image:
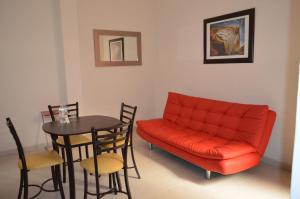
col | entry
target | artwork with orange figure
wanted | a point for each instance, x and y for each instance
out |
(227, 38)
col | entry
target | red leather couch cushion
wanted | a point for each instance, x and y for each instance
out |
(233, 124)
(228, 166)
(219, 136)
(200, 144)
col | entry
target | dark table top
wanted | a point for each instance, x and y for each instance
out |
(81, 125)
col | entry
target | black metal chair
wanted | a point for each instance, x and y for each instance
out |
(36, 161)
(127, 115)
(103, 163)
(75, 140)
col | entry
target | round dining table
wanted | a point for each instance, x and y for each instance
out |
(77, 126)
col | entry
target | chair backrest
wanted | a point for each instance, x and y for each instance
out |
(111, 141)
(127, 113)
(17, 141)
(73, 110)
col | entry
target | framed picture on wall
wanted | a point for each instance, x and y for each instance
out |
(229, 38)
(116, 49)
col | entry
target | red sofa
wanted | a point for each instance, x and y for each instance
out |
(218, 136)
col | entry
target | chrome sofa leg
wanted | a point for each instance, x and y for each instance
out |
(208, 174)
(150, 146)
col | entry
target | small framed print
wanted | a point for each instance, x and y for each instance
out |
(116, 49)
(229, 38)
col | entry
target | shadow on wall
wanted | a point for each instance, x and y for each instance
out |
(292, 76)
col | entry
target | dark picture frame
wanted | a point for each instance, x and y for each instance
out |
(116, 49)
(230, 38)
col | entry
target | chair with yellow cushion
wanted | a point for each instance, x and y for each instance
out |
(103, 163)
(127, 115)
(76, 140)
(34, 161)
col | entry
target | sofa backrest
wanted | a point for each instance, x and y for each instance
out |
(228, 120)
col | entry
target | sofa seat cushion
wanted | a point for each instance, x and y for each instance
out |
(198, 143)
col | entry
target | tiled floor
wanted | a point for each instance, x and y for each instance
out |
(165, 176)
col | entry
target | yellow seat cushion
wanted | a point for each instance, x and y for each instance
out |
(118, 143)
(41, 160)
(74, 140)
(107, 163)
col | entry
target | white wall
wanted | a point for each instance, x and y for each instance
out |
(295, 52)
(271, 79)
(295, 192)
(104, 88)
(31, 67)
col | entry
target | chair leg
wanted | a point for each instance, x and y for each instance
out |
(134, 163)
(54, 178)
(80, 155)
(58, 176)
(119, 181)
(97, 185)
(85, 184)
(21, 185)
(64, 165)
(114, 183)
(25, 179)
(110, 181)
(86, 151)
(127, 183)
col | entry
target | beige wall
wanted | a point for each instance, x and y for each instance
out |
(71, 53)
(271, 79)
(104, 88)
(31, 67)
(36, 44)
